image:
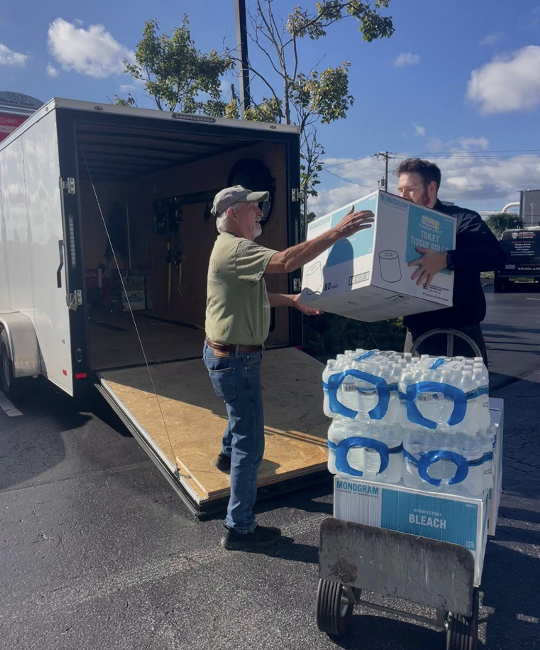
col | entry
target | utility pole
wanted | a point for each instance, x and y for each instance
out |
(386, 157)
(242, 48)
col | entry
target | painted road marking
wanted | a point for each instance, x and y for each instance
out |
(8, 407)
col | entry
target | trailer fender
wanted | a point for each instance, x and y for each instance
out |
(23, 344)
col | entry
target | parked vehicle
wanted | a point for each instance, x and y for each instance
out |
(522, 264)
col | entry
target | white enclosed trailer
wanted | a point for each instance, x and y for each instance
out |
(77, 177)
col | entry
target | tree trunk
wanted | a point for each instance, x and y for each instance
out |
(286, 103)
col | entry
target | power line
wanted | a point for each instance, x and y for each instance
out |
(450, 154)
(347, 180)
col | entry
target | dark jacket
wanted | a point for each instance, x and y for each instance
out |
(477, 250)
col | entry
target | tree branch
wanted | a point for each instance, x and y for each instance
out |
(260, 77)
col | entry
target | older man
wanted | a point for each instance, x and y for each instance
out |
(237, 325)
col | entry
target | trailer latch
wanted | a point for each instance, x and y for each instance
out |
(68, 184)
(74, 299)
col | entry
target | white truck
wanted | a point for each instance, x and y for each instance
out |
(78, 180)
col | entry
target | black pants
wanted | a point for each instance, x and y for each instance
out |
(436, 345)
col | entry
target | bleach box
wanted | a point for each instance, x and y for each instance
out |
(366, 277)
(446, 517)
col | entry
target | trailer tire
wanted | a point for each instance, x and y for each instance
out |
(334, 609)
(462, 631)
(11, 386)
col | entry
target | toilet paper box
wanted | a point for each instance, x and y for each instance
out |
(366, 277)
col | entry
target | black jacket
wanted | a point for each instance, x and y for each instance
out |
(477, 250)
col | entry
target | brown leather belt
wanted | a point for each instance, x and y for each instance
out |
(223, 347)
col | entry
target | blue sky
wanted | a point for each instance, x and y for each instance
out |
(459, 82)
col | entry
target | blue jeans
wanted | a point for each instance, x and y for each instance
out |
(237, 381)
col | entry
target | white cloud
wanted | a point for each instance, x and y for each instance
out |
(419, 130)
(125, 88)
(9, 57)
(52, 71)
(93, 51)
(476, 181)
(508, 83)
(492, 39)
(406, 59)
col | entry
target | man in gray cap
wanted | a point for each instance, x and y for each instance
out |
(237, 325)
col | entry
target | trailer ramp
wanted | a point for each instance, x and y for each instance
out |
(295, 427)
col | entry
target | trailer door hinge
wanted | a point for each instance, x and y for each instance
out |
(296, 195)
(68, 184)
(74, 299)
(297, 284)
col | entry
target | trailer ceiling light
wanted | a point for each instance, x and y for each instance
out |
(194, 118)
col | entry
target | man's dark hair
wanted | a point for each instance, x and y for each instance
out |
(428, 171)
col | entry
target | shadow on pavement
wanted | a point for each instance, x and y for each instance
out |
(510, 586)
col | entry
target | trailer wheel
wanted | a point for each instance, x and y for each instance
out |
(462, 631)
(10, 385)
(334, 609)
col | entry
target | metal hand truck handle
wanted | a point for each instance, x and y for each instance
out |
(450, 333)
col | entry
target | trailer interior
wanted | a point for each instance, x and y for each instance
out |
(152, 182)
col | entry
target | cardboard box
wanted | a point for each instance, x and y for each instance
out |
(446, 517)
(136, 300)
(496, 411)
(366, 276)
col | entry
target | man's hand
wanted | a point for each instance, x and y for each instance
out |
(308, 311)
(353, 222)
(429, 265)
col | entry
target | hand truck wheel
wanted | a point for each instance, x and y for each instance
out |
(334, 608)
(462, 631)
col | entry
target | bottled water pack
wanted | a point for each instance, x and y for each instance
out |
(422, 421)
(446, 395)
(364, 450)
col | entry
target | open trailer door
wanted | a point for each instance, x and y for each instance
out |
(181, 428)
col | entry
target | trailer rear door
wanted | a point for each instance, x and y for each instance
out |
(35, 241)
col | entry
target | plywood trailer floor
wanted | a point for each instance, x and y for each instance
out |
(295, 427)
(114, 342)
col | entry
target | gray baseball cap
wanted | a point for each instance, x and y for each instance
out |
(225, 198)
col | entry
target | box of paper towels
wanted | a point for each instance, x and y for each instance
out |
(366, 276)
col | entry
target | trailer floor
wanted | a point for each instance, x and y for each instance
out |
(114, 342)
(195, 419)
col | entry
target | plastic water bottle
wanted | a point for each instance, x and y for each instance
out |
(336, 433)
(414, 444)
(392, 436)
(472, 450)
(427, 403)
(327, 373)
(348, 394)
(367, 395)
(481, 379)
(394, 408)
(487, 439)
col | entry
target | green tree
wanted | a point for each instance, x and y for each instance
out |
(501, 221)
(314, 97)
(175, 73)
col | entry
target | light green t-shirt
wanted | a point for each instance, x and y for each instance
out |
(237, 307)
